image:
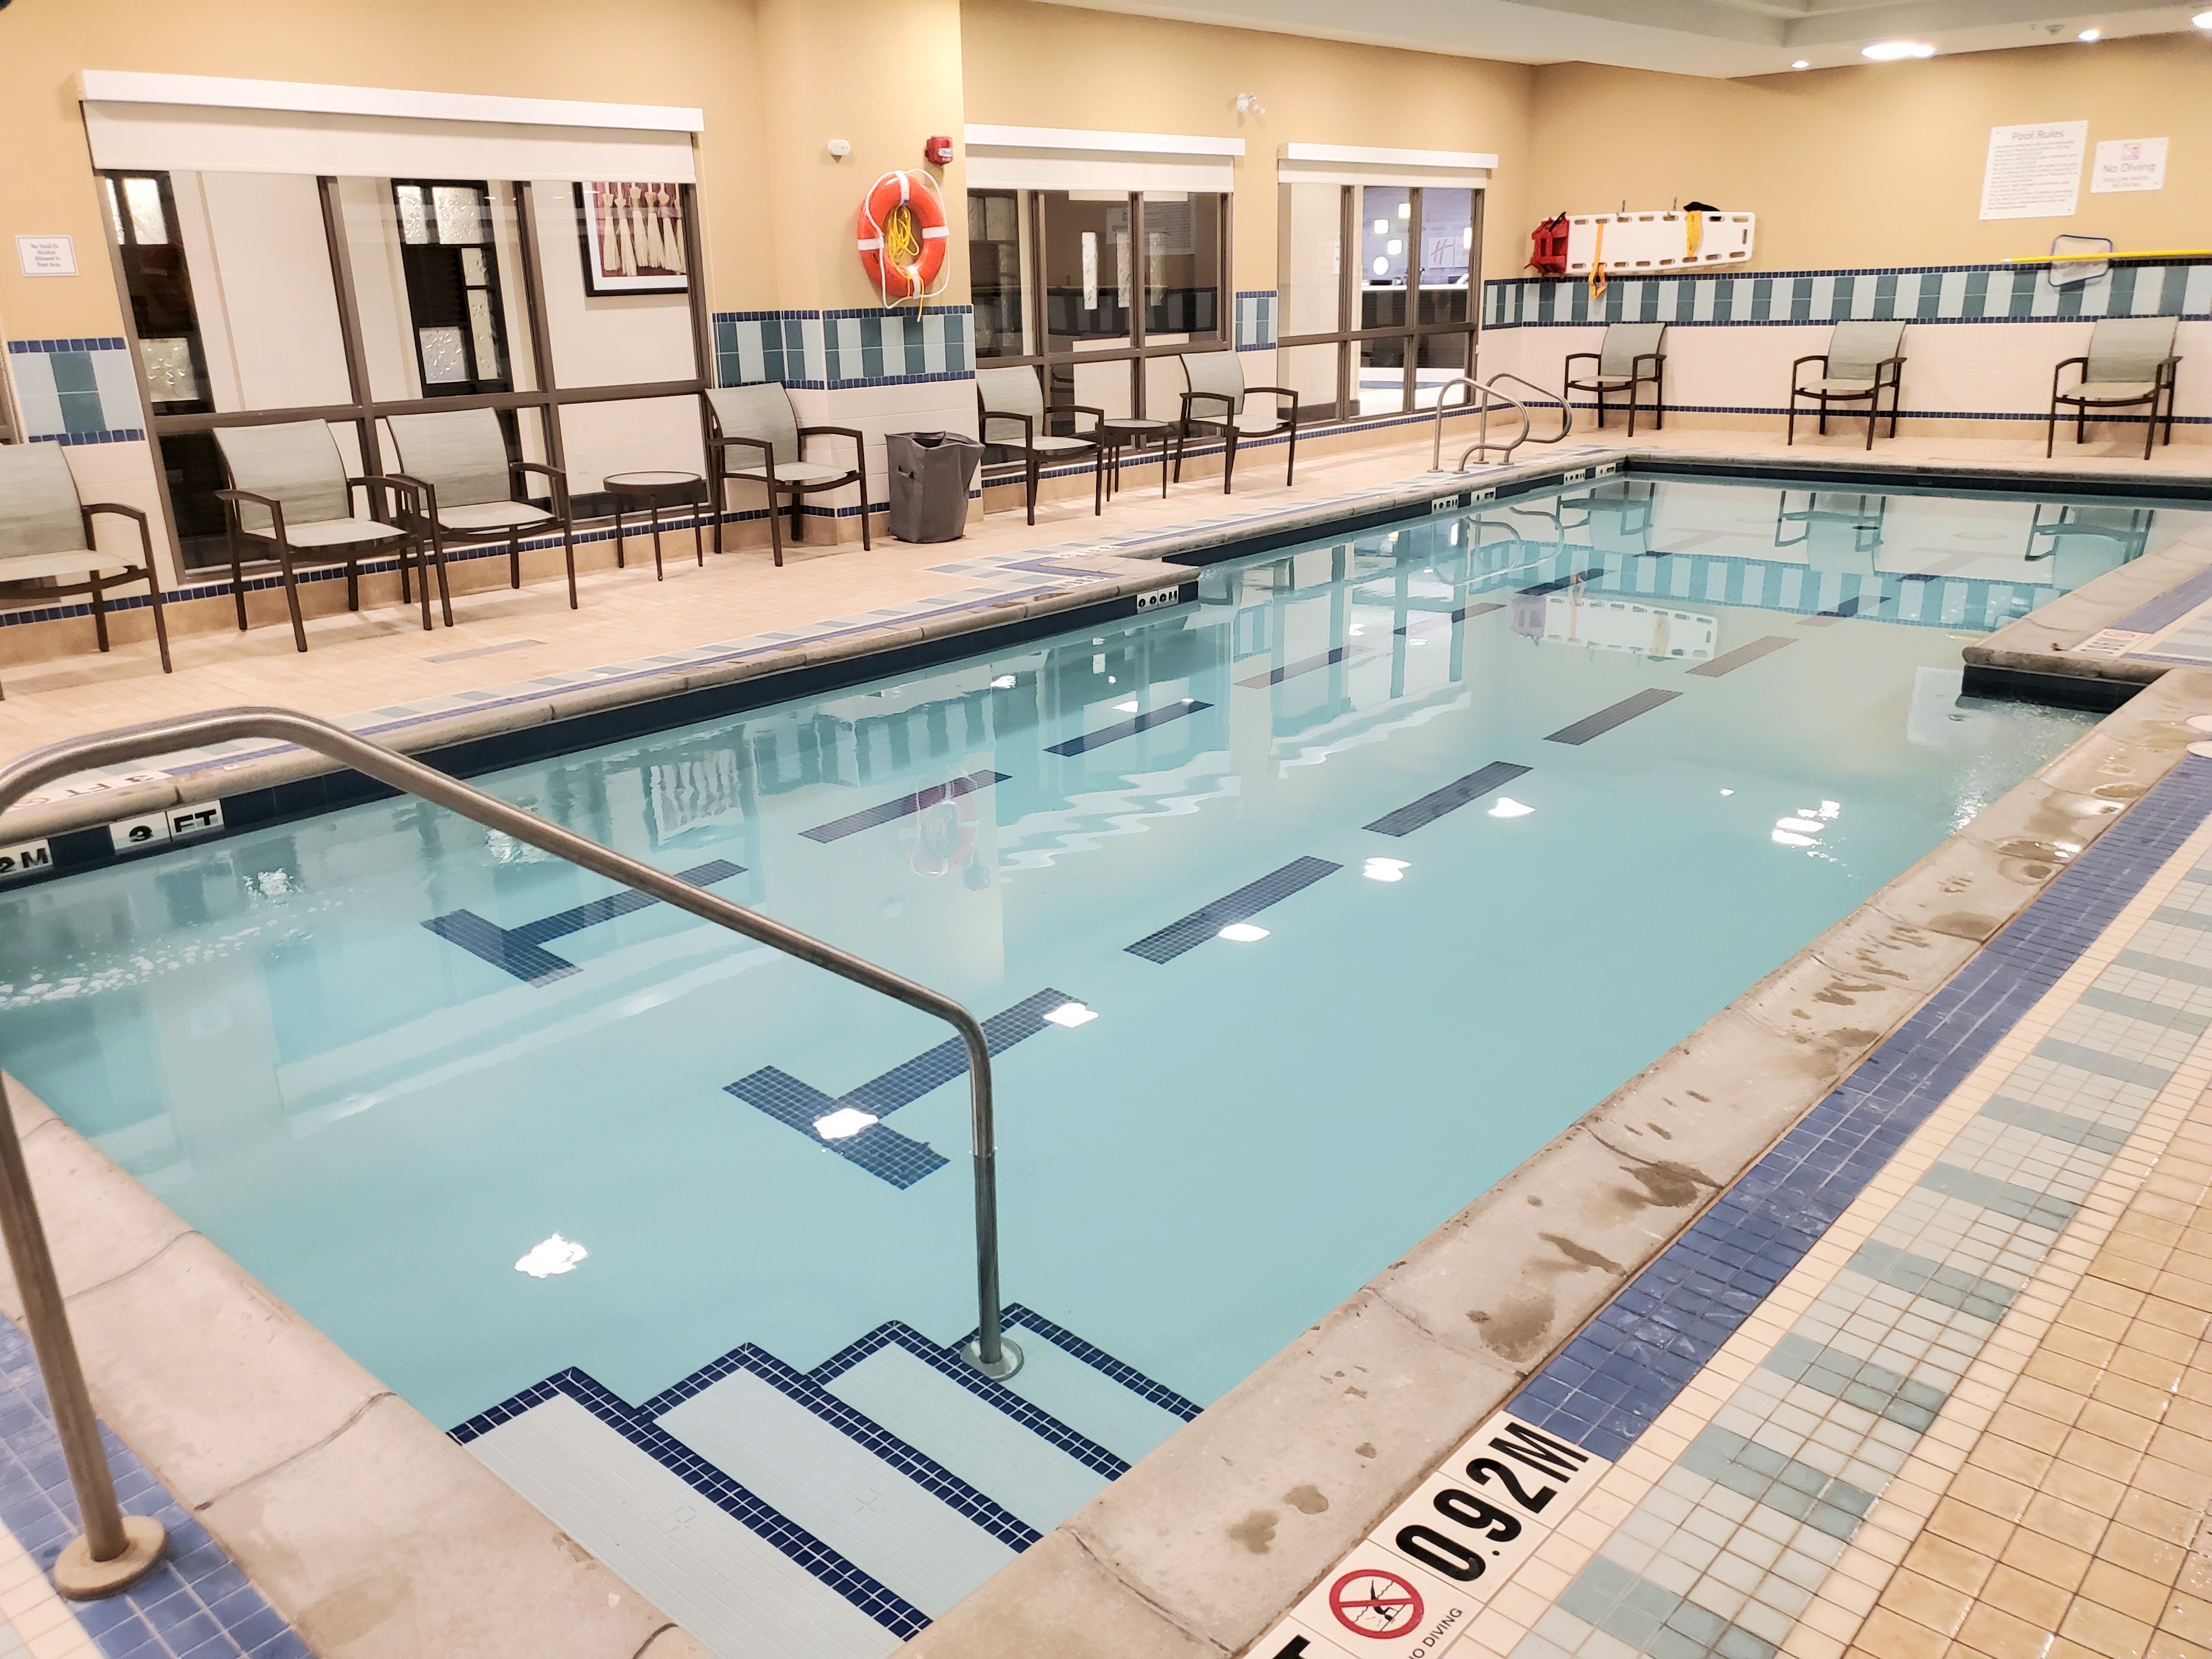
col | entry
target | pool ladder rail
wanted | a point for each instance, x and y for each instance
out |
(116, 1551)
(1489, 395)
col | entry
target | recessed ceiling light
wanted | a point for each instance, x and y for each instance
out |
(2090, 35)
(1801, 64)
(1888, 51)
(2202, 20)
(1243, 933)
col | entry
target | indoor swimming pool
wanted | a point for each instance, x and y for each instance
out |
(1303, 910)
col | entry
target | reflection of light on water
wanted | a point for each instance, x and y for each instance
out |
(1508, 807)
(1802, 828)
(1071, 1014)
(555, 1256)
(1243, 933)
(844, 1123)
(1386, 869)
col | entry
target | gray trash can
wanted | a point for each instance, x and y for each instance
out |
(929, 475)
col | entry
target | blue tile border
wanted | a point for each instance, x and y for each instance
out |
(1613, 1378)
(98, 343)
(197, 1604)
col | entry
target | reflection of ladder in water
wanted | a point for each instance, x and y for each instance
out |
(770, 1511)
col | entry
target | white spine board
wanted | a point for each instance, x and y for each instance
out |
(1657, 241)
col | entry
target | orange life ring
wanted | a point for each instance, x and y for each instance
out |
(902, 235)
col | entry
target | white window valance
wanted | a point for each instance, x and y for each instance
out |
(1068, 158)
(206, 123)
(1357, 164)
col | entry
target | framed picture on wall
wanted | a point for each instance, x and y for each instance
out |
(633, 238)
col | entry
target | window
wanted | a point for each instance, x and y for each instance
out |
(455, 292)
(1099, 289)
(446, 251)
(1383, 332)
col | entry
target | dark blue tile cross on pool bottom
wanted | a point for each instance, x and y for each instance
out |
(904, 807)
(1247, 902)
(521, 951)
(884, 1152)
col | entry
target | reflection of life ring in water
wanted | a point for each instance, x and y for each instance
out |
(940, 837)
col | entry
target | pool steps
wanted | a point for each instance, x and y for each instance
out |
(768, 1510)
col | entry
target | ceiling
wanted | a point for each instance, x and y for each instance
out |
(1720, 38)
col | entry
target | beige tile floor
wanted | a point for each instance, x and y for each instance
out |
(381, 656)
(2080, 1524)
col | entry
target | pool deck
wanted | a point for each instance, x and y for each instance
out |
(1975, 1084)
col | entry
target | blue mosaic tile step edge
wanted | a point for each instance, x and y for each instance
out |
(197, 1604)
(1612, 1379)
(640, 1426)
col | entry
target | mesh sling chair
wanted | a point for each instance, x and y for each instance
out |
(2131, 361)
(1011, 402)
(45, 531)
(1631, 355)
(754, 424)
(289, 488)
(462, 488)
(1862, 361)
(1216, 380)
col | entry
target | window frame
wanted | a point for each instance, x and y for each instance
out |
(1034, 293)
(1412, 331)
(365, 410)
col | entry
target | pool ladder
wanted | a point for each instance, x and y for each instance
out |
(1489, 394)
(114, 1553)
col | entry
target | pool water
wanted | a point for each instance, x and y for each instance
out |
(385, 1059)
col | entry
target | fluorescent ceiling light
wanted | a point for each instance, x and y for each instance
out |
(1243, 933)
(1071, 1014)
(1888, 51)
(555, 1256)
(2090, 35)
(1801, 64)
(2202, 20)
(844, 1123)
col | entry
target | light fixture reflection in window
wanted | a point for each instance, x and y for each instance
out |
(1386, 869)
(1004, 683)
(1128, 707)
(1508, 807)
(1071, 1014)
(555, 1256)
(844, 1123)
(1243, 933)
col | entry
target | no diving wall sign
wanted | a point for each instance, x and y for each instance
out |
(1410, 1589)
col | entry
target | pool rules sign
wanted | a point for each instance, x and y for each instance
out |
(1411, 1587)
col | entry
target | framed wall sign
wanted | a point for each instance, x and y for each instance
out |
(633, 238)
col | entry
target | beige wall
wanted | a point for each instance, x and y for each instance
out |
(1878, 164)
(689, 52)
(1058, 66)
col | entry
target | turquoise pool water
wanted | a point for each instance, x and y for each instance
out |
(383, 1123)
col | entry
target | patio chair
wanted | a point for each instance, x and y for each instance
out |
(1217, 378)
(1011, 404)
(758, 422)
(1863, 360)
(45, 531)
(463, 492)
(1631, 355)
(2130, 362)
(289, 488)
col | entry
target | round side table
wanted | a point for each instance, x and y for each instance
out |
(1133, 434)
(648, 492)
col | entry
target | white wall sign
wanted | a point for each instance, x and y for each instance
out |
(2127, 164)
(2034, 172)
(46, 256)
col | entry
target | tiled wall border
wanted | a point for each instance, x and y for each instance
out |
(76, 390)
(1919, 295)
(845, 349)
(1255, 319)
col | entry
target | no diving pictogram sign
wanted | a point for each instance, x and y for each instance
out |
(1373, 1602)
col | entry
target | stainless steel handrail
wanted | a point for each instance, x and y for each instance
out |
(1490, 391)
(114, 1553)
